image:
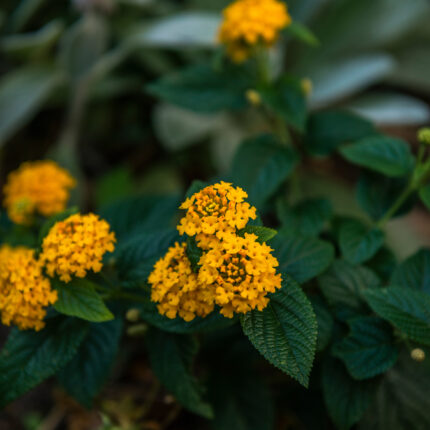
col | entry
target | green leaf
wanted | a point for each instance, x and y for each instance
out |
(286, 99)
(327, 130)
(195, 187)
(134, 215)
(264, 233)
(22, 93)
(325, 322)
(414, 272)
(424, 193)
(306, 218)
(114, 185)
(201, 88)
(137, 256)
(346, 399)
(344, 284)
(285, 332)
(407, 309)
(261, 165)
(386, 155)
(301, 32)
(383, 263)
(194, 253)
(358, 243)
(85, 374)
(79, 298)
(303, 258)
(240, 402)
(29, 357)
(51, 221)
(377, 193)
(171, 358)
(369, 348)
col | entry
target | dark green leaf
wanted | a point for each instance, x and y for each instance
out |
(114, 185)
(195, 187)
(301, 32)
(29, 357)
(261, 165)
(424, 193)
(201, 88)
(303, 258)
(407, 309)
(325, 322)
(345, 398)
(386, 155)
(137, 256)
(85, 374)
(171, 359)
(240, 402)
(194, 253)
(286, 99)
(383, 263)
(134, 215)
(264, 233)
(369, 348)
(22, 94)
(306, 218)
(285, 332)
(358, 243)
(414, 272)
(329, 129)
(376, 194)
(79, 298)
(344, 284)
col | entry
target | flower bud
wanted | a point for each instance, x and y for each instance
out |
(253, 97)
(424, 135)
(418, 354)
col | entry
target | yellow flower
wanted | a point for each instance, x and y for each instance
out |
(76, 245)
(37, 187)
(240, 272)
(214, 213)
(247, 23)
(176, 287)
(24, 291)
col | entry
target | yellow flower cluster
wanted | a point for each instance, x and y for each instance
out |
(37, 187)
(235, 273)
(215, 213)
(24, 291)
(176, 288)
(76, 245)
(247, 23)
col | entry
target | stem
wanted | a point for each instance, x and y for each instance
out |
(396, 205)
(282, 130)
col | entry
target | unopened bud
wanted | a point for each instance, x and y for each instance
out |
(418, 354)
(137, 330)
(133, 315)
(307, 86)
(253, 97)
(424, 135)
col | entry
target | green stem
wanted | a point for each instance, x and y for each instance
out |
(396, 205)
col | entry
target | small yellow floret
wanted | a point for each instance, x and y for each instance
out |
(76, 245)
(37, 187)
(424, 135)
(176, 287)
(240, 271)
(24, 291)
(247, 23)
(253, 97)
(215, 212)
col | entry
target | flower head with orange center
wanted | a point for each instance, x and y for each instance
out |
(240, 272)
(215, 212)
(24, 291)
(176, 288)
(247, 23)
(76, 245)
(40, 187)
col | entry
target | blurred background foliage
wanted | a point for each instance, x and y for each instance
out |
(74, 76)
